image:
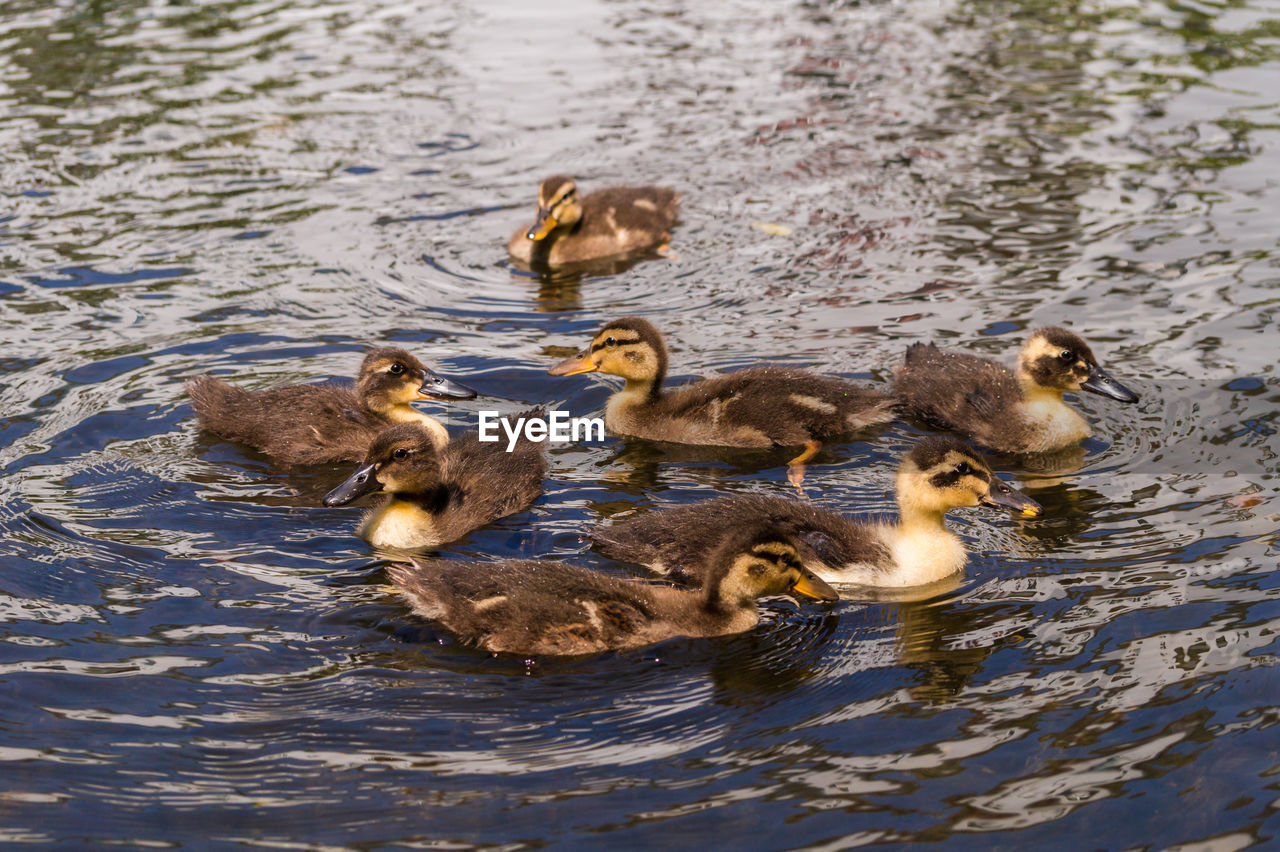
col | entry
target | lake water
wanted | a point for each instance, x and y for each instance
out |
(195, 653)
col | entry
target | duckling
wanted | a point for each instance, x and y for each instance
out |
(537, 607)
(612, 221)
(317, 424)
(439, 495)
(938, 475)
(1018, 411)
(755, 407)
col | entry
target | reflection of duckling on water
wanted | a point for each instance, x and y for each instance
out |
(755, 407)
(315, 424)
(439, 495)
(938, 475)
(612, 221)
(534, 607)
(1018, 411)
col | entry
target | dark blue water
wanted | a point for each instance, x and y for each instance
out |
(194, 653)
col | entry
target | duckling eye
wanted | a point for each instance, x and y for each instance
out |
(401, 454)
(611, 342)
(1067, 355)
(963, 469)
(396, 369)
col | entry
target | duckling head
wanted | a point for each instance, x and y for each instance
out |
(401, 460)
(558, 206)
(940, 474)
(1058, 361)
(390, 377)
(755, 563)
(629, 347)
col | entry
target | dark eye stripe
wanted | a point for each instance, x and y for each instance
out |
(950, 476)
(945, 479)
(596, 347)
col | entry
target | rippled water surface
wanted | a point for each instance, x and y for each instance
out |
(194, 652)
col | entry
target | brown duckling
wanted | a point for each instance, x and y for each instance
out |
(316, 424)
(755, 407)
(938, 475)
(438, 495)
(536, 607)
(1012, 411)
(617, 220)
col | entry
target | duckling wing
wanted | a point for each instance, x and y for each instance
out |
(776, 406)
(295, 424)
(958, 391)
(821, 547)
(649, 211)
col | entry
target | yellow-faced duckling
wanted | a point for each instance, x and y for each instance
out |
(536, 607)
(617, 220)
(317, 424)
(755, 407)
(1013, 411)
(438, 495)
(938, 475)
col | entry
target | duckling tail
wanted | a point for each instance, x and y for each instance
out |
(920, 353)
(219, 405)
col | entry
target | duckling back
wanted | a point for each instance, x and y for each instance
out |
(638, 216)
(965, 393)
(486, 482)
(529, 606)
(678, 542)
(760, 407)
(295, 424)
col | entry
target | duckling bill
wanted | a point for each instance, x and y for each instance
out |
(1018, 411)
(437, 495)
(756, 407)
(571, 228)
(938, 475)
(317, 424)
(554, 608)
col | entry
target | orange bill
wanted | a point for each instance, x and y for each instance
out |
(545, 224)
(580, 363)
(812, 586)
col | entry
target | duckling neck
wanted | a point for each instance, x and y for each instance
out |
(1033, 392)
(645, 389)
(922, 547)
(623, 413)
(727, 613)
(406, 413)
(1056, 423)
